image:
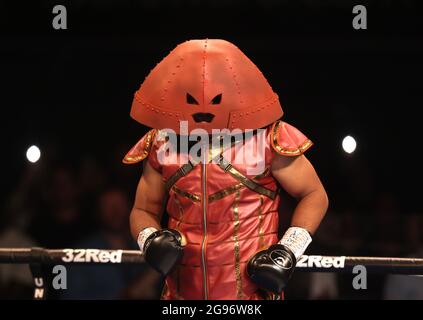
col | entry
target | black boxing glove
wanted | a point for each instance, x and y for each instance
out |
(162, 249)
(272, 268)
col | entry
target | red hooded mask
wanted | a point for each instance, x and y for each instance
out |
(209, 83)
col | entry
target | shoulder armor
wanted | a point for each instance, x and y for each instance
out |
(287, 140)
(141, 150)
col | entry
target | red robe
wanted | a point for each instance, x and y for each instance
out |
(225, 213)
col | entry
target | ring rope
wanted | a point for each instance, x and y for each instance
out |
(307, 263)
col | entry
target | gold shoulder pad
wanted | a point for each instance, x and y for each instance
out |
(141, 150)
(287, 140)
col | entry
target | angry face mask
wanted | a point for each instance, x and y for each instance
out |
(210, 84)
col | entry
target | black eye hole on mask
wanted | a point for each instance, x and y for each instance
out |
(217, 99)
(191, 99)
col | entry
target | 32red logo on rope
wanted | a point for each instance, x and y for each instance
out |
(92, 255)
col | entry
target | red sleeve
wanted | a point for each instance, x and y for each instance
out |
(153, 160)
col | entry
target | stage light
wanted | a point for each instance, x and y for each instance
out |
(33, 154)
(349, 144)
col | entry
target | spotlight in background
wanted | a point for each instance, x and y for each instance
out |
(33, 154)
(349, 144)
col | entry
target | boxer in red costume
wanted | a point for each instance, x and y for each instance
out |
(221, 241)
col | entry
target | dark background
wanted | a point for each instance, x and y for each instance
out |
(70, 92)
